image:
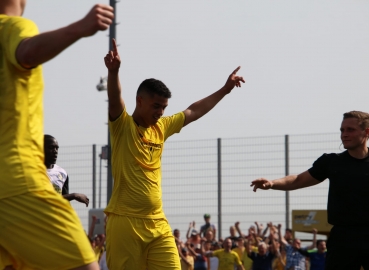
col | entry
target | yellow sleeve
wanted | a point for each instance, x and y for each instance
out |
(13, 31)
(237, 259)
(172, 124)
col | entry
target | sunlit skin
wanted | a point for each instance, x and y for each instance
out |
(353, 137)
(262, 250)
(296, 244)
(149, 109)
(227, 244)
(209, 235)
(232, 231)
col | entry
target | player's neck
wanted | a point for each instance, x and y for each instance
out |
(359, 153)
(49, 166)
(139, 120)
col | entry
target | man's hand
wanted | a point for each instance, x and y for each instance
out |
(112, 59)
(97, 19)
(81, 198)
(234, 80)
(261, 183)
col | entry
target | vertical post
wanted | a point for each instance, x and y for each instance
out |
(100, 182)
(287, 166)
(219, 188)
(112, 34)
(94, 176)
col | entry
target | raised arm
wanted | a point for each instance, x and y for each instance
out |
(39, 49)
(289, 182)
(203, 106)
(237, 226)
(280, 236)
(116, 103)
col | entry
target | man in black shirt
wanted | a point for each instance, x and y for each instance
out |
(348, 200)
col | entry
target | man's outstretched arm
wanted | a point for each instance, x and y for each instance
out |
(290, 182)
(203, 106)
(39, 49)
(116, 103)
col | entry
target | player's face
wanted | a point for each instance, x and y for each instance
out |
(152, 108)
(352, 135)
(51, 149)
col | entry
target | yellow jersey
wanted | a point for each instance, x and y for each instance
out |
(22, 166)
(136, 165)
(227, 260)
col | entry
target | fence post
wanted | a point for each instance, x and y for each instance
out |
(287, 166)
(219, 188)
(94, 176)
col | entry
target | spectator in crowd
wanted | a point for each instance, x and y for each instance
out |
(209, 236)
(317, 257)
(233, 236)
(57, 175)
(288, 236)
(177, 238)
(262, 260)
(227, 258)
(198, 252)
(191, 227)
(187, 261)
(207, 226)
(295, 259)
(348, 200)
(54, 224)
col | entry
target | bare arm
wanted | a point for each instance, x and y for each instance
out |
(203, 106)
(39, 49)
(281, 238)
(116, 103)
(79, 197)
(290, 182)
(237, 226)
(313, 244)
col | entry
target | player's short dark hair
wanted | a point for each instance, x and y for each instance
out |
(152, 87)
(288, 230)
(48, 137)
(363, 118)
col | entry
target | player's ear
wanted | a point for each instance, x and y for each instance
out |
(138, 101)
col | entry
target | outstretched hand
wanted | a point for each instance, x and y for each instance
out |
(261, 183)
(112, 59)
(234, 80)
(82, 198)
(97, 19)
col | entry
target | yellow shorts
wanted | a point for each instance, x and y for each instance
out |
(136, 243)
(40, 230)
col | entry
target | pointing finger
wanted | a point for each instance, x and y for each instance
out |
(115, 48)
(235, 71)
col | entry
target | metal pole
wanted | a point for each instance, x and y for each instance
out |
(112, 34)
(219, 188)
(100, 183)
(287, 166)
(94, 176)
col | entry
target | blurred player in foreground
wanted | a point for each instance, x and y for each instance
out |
(38, 229)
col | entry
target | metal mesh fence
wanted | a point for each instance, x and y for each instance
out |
(190, 178)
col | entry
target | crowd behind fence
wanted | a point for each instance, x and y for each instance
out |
(201, 175)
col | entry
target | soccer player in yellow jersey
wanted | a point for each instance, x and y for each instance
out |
(228, 258)
(138, 234)
(38, 228)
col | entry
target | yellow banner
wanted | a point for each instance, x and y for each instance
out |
(306, 220)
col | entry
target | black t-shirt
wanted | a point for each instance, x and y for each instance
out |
(348, 198)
